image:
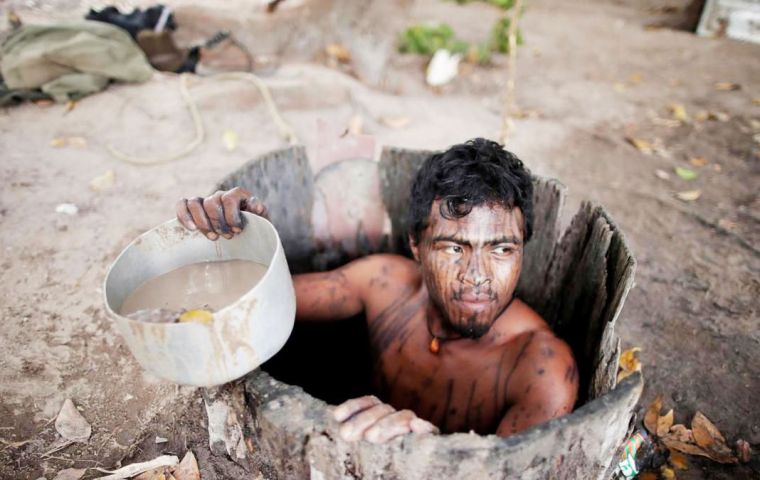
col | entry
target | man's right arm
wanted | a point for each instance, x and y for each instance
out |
(324, 296)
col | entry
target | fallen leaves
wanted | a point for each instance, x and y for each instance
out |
(230, 138)
(187, 468)
(629, 363)
(395, 122)
(703, 438)
(727, 86)
(643, 146)
(678, 112)
(338, 52)
(685, 173)
(689, 195)
(135, 469)
(76, 142)
(70, 474)
(711, 440)
(698, 161)
(71, 424)
(103, 182)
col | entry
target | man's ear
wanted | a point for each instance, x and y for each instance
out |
(414, 247)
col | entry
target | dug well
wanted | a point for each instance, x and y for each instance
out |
(577, 281)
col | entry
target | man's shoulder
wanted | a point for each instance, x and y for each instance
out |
(390, 264)
(528, 328)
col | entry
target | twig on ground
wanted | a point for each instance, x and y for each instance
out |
(509, 95)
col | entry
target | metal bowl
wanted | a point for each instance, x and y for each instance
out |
(242, 336)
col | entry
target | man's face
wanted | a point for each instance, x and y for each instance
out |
(471, 264)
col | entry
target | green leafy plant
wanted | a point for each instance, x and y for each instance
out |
(427, 38)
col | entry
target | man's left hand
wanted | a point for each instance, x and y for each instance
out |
(367, 418)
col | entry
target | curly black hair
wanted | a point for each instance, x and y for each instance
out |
(467, 175)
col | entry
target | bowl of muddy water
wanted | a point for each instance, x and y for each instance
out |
(197, 312)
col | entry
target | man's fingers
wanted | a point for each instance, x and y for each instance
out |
(183, 215)
(418, 425)
(195, 207)
(390, 427)
(215, 212)
(256, 206)
(232, 202)
(354, 428)
(350, 407)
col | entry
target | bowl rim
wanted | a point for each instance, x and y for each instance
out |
(222, 312)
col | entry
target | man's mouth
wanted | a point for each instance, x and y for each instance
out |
(474, 302)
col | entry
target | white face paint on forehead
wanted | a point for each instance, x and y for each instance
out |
(484, 223)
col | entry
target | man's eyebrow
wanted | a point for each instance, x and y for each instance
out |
(462, 241)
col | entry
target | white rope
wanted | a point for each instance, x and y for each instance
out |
(285, 130)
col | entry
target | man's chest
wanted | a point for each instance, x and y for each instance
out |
(459, 388)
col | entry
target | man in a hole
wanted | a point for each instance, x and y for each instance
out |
(453, 349)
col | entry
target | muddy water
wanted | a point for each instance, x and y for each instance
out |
(206, 285)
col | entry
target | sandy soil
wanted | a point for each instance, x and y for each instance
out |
(593, 73)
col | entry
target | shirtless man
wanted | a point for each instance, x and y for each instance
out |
(454, 350)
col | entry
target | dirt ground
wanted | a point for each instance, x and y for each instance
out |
(590, 75)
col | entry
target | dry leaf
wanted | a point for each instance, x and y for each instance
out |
(187, 468)
(635, 78)
(705, 433)
(743, 451)
(689, 195)
(230, 139)
(103, 182)
(641, 145)
(395, 122)
(155, 474)
(619, 86)
(678, 112)
(135, 469)
(678, 461)
(727, 224)
(701, 115)
(648, 476)
(58, 142)
(727, 86)
(197, 316)
(681, 433)
(664, 423)
(719, 116)
(662, 174)
(756, 101)
(653, 414)
(77, 142)
(71, 424)
(683, 447)
(338, 52)
(71, 105)
(667, 473)
(70, 474)
(710, 439)
(698, 161)
(685, 173)
(356, 125)
(717, 167)
(629, 363)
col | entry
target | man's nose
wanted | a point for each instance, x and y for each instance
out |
(475, 272)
